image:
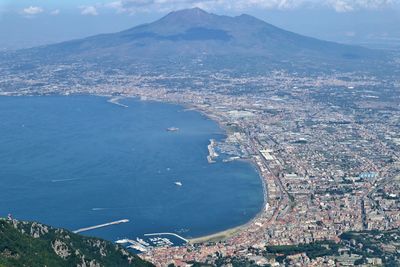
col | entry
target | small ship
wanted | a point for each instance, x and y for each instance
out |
(172, 129)
(178, 183)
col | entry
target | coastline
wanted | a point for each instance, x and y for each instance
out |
(233, 231)
(219, 236)
(230, 232)
(223, 234)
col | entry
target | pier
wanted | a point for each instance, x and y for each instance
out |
(100, 226)
(137, 245)
(115, 101)
(172, 234)
(211, 151)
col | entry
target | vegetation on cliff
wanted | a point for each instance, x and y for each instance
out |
(34, 244)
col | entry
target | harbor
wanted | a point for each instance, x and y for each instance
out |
(171, 234)
(152, 240)
(211, 151)
(138, 244)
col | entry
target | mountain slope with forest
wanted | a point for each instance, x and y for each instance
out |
(34, 244)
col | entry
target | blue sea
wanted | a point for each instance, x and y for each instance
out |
(80, 161)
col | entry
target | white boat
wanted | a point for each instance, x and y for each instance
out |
(172, 129)
(178, 183)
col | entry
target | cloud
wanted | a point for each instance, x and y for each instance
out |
(89, 10)
(135, 6)
(342, 5)
(32, 10)
(55, 12)
(351, 5)
(350, 34)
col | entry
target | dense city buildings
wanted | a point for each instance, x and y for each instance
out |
(326, 147)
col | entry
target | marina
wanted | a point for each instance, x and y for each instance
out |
(170, 234)
(155, 240)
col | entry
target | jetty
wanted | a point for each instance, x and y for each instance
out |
(211, 151)
(100, 226)
(116, 100)
(171, 234)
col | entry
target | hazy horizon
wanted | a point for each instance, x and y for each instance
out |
(29, 23)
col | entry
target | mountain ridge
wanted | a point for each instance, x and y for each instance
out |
(188, 34)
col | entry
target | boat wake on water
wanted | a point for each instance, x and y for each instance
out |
(64, 180)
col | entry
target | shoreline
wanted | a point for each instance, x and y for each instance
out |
(223, 234)
(230, 232)
(218, 236)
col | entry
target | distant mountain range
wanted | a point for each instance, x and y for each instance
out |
(195, 34)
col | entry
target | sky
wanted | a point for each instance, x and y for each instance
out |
(27, 23)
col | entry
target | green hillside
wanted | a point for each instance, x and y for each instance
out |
(34, 244)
